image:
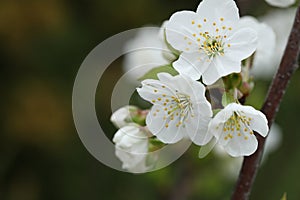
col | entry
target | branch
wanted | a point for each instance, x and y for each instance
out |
(270, 108)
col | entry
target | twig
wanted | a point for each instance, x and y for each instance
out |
(277, 89)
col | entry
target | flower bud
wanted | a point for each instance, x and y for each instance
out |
(128, 115)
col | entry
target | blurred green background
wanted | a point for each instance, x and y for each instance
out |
(41, 156)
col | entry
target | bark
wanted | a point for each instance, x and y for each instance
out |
(288, 65)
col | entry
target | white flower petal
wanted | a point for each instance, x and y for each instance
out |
(128, 135)
(215, 127)
(224, 114)
(259, 123)
(197, 126)
(131, 148)
(146, 51)
(203, 108)
(173, 133)
(264, 53)
(151, 89)
(146, 92)
(155, 119)
(130, 161)
(212, 74)
(164, 129)
(242, 44)
(233, 127)
(211, 43)
(230, 66)
(180, 30)
(265, 49)
(194, 89)
(169, 80)
(241, 145)
(189, 64)
(226, 9)
(281, 21)
(122, 116)
(172, 117)
(219, 67)
(281, 3)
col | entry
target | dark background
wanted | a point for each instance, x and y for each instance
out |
(41, 156)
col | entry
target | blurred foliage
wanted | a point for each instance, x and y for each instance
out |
(152, 74)
(42, 46)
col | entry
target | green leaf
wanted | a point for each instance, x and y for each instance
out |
(204, 150)
(155, 144)
(215, 111)
(236, 80)
(140, 120)
(151, 160)
(284, 197)
(227, 98)
(232, 81)
(152, 74)
(174, 51)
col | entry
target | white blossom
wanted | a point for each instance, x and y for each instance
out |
(281, 3)
(233, 128)
(212, 45)
(281, 22)
(123, 116)
(131, 145)
(179, 108)
(231, 165)
(265, 46)
(154, 53)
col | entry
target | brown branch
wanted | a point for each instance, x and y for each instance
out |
(270, 108)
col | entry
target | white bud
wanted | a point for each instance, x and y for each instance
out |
(123, 116)
(132, 148)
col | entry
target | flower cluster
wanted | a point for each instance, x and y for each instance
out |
(200, 99)
(132, 139)
(179, 108)
(211, 43)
